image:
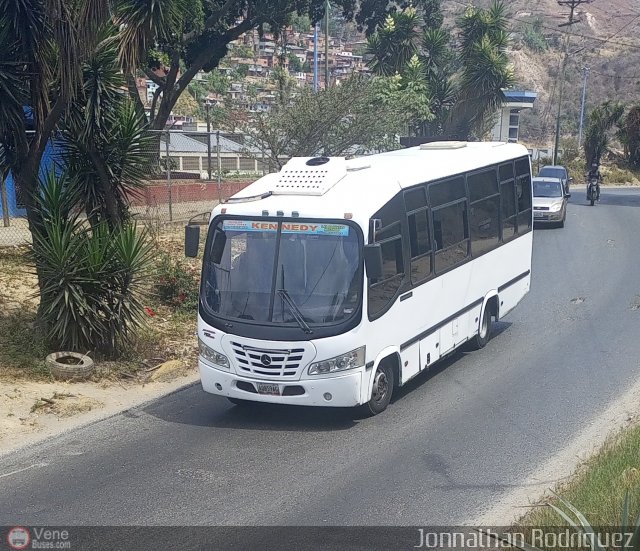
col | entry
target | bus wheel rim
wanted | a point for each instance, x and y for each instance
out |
(380, 386)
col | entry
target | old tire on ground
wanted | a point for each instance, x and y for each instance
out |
(70, 366)
(381, 392)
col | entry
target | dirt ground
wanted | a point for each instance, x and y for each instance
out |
(31, 411)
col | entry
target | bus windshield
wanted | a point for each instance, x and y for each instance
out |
(302, 273)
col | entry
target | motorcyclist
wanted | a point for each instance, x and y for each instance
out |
(594, 173)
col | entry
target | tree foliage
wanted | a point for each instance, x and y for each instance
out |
(462, 84)
(360, 115)
(193, 35)
(533, 37)
(105, 146)
(92, 277)
(597, 136)
(629, 135)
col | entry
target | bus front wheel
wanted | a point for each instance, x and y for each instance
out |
(382, 390)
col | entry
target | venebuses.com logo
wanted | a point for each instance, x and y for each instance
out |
(18, 538)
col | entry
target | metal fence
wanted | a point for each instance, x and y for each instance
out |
(188, 173)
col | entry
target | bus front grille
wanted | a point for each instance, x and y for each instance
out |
(267, 362)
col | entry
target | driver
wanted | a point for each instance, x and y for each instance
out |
(594, 173)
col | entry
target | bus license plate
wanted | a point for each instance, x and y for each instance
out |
(265, 388)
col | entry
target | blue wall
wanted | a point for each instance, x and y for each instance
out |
(47, 163)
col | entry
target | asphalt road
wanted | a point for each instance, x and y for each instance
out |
(451, 442)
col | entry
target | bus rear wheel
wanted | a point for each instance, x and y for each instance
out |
(381, 392)
(484, 331)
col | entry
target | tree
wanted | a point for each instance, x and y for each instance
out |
(45, 45)
(629, 135)
(601, 120)
(295, 65)
(394, 43)
(533, 37)
(300, 23)
(218, 82)
(462, 85)
(486, 71)
(360, 115)
(187, 105)
(193, 35)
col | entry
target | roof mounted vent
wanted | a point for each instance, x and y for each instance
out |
(310, 176)
(317, 161)
(443, 145)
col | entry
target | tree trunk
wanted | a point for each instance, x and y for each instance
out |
(27, 182)
(110, 202)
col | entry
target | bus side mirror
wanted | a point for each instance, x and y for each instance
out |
(373, 261)
(191, 241)
(217, 247)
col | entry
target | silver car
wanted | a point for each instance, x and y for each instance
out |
(560, 172)
(549, 201)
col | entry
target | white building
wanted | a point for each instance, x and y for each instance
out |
(507, 127)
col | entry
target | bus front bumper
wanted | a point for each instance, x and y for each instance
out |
(340, 391)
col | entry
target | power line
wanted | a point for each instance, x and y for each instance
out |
(572, 5)
(634, 77)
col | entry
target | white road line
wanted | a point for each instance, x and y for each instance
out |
(34, 466)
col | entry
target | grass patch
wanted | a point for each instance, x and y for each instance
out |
(22, 347)
(620, 174)
(598, 489)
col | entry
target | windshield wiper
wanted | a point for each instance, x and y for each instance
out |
(295, 311)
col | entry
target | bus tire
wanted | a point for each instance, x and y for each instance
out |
(381, 392)
(484, 331)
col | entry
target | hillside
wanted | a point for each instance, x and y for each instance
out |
(608, 44)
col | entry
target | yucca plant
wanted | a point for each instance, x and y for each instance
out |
(93, 277)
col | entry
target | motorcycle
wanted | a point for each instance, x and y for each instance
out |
(592, 190)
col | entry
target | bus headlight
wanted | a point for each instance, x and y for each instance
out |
(350, 360)
(209, 354)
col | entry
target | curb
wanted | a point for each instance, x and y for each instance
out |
(52, 438)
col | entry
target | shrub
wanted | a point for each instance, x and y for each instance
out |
(533, 37)
(92, 278)
(177, 284)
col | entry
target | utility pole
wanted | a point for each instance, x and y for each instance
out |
(326, 46)
(315, 58)
(572, 5)
(584, 99)
(207, 105)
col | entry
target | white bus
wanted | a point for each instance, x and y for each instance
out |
(334, 281)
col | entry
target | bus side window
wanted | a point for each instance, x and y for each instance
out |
(437, 233)
(415, 201)
(523, 190)
(383, 292)
(391, 236)
(485, 211)
(508, 201)
(448, 200)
